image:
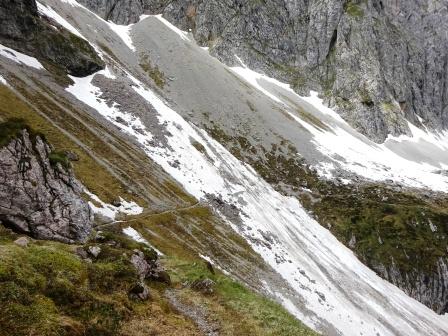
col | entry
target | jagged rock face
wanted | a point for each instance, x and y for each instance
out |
(429, 289)
(120, 12)
(39, 198)
(378, 63)
(22, 29)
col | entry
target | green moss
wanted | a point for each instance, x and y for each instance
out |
(311, 119)
(388, 106)
(153, 71)
(11, 129)
(251, 106)
(45, 285)
(198, 146)
(354, 9)
(59, 157)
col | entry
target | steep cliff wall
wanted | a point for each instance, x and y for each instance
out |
(379, 63)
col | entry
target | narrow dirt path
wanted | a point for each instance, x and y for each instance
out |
(197, 314)
(145, 215)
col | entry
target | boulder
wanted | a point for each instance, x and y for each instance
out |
(22, 242)
(140, 292)
(205, 286)
(38, 196)
(94, 251)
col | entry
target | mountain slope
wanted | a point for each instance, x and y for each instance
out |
(201, 123)
(379, 63)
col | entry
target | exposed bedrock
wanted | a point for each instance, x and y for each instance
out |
(39, 194)
(378, 63)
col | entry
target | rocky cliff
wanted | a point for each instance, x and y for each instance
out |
(39, 194)
(378, 63)
(23, 29)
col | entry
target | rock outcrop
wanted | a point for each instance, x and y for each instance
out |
(379, 63)
(24, 30)
(429, 288)
(148, 267)
(38, 195)
(120, 12)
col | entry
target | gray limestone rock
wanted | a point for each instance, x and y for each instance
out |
(94, 251)
(24, 30)
(38, 197)
(22, 241)
(379, 63)
(140, 292)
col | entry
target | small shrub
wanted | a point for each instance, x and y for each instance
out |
(56, 157)
(11, 129)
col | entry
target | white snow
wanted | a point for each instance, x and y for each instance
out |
(354, 152)
(124, 32)
(134, 234)
(49, 12)
(20, 58)
(143, 17)
(183, 35)
(439, 139)
(73, 3)
(3, 80)
(432, 226)
(333, 284)
(110, 211)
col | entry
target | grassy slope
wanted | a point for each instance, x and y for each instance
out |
(46, 289)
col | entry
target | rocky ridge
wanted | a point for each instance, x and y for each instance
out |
(378, 63)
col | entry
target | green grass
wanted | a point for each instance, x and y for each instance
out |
(46, 289)
(59, 157)
(245, 312)
(153, 71)
(11, 129)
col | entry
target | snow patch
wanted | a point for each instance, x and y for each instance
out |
(110, 211)
(20, 58)
(3, 80)
(49, 12)
(73, 3)
(352, 151)
(208, 259)
(124, 32)
(135, 235)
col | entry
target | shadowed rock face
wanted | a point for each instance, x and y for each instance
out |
(378, 62)
(120, 12)
(39, 197)
(24, 30)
